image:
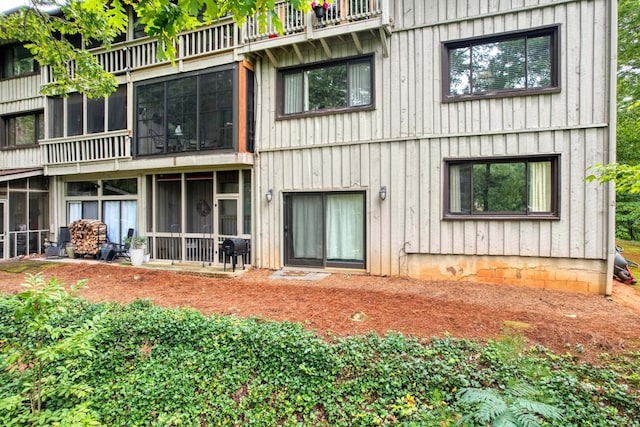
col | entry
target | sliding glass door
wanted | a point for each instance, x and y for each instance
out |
(325, 229)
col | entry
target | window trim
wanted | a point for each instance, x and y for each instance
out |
(4, 132)
(290, 260)
(3, 58)
(553, 214)
(62, 123)
(280, 115)
(235, 90)
(552, 30)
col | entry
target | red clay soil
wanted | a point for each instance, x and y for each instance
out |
(343, 304)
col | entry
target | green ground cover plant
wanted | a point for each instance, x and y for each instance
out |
(142, 365)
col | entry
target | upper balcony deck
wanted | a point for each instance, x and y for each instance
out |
(343, 16)
(90, 151)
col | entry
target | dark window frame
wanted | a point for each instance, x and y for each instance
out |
(554, 87)
(282, 72)
(289, 258)
(164, 138)
(113, 119)
(8, 58)
(5, 131)
(552, 214)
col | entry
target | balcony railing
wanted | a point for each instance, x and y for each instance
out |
(224, 35)
(86, 148)
(294, 21)
(142, 53)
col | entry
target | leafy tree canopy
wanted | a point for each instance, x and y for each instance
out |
(626, 173)
(46, 26)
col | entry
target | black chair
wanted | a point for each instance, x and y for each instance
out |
(111, 251)
(59, 248)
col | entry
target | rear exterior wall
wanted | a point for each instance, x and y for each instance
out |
(402, 144)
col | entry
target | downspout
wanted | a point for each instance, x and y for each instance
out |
(610, 186)
(257, 180)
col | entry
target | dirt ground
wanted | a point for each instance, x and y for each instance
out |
(344, 304)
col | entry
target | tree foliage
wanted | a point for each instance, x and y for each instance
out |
(45, 384)
(626, 173)
(46, 26)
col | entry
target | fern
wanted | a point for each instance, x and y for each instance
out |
(513, 408)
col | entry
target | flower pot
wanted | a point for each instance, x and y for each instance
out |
(136, 256)
(319, 11)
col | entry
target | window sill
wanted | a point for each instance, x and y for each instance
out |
(499, 94)
(510, 217)
(328, 112)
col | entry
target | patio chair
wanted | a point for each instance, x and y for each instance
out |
(111, 251)
(59, 248)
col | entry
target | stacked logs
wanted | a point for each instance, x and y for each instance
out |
(87, 236)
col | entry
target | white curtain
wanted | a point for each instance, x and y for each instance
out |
(540, 187)
(129, 217)
(360, 84)
(455, 204)
(75, 211)
(119, 217)
(345, 227)
(307, 226)
(293, 93)
(111, 217)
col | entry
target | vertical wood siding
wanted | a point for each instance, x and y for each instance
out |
(20, 94)
(402, 143)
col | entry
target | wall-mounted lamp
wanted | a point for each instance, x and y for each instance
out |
(269, 195)
(383, 192)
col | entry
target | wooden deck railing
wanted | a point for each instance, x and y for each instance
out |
(224, 35)
(86, 148)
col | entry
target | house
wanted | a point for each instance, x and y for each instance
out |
(444, 140)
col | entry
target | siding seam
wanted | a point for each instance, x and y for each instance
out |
(443, 136)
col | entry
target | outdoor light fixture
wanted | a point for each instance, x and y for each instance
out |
(269, 195)
(178, 131)
(383, 192)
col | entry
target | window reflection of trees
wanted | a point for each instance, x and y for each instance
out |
(524, 62)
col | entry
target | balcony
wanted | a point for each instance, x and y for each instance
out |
(343, 16)
(86, 148)
(143, 53)
(352, 17)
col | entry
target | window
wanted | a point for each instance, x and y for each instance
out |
(507, 64)
(112, 201)
(21, 130)
(17, 61)
(102, 114)
(331, 86)
(190, 113)
(502, 187)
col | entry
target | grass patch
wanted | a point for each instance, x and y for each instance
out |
(25, 266)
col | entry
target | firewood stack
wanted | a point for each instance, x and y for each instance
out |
(87, 236)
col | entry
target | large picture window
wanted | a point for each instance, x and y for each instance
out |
(500, 65)
(341, 85)
(186, 114)
(24, 129)
(502, 187)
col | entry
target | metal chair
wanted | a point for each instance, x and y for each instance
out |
(110, 251)
(59, 248)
